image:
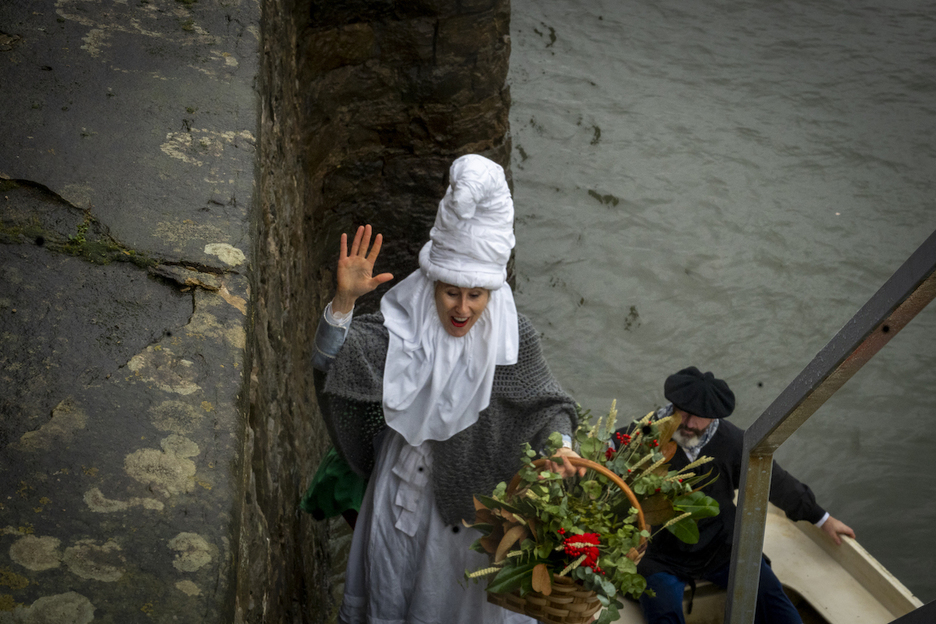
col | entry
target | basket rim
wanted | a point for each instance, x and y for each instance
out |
(581, 462)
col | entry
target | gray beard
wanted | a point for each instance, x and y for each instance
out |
(686, 440)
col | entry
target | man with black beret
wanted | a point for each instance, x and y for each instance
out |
(703, 402)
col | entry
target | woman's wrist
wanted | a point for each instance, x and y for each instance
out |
(342, 304)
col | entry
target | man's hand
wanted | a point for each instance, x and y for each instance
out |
(834, 528)
(566, 469)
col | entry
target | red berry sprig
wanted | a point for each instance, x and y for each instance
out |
(584, 544)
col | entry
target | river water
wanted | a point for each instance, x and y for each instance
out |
(724, 184)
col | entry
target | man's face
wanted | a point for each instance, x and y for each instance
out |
(691, 427)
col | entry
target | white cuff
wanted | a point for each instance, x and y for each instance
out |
(566, 441)
(822, 521)
(337, 318)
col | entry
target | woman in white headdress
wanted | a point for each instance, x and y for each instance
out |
(432, 399)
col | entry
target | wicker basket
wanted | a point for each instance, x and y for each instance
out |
(569, 602)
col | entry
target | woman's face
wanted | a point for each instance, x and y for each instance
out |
(459, 308)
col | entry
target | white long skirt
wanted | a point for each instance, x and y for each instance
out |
(406, 565)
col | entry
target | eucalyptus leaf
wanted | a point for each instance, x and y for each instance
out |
(592, 488)
(591, 447)
(626, 566)
(610, 614)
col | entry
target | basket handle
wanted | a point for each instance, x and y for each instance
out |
(581, 462)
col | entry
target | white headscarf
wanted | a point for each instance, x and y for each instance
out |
(435, 384)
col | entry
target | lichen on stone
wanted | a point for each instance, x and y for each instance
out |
(7, 603)
(166, 472)
(159, 366)
(89, 560)
(194, 551)
(36, 553)
(179, 445)
(66, 419)
(204, 324)
(196, 146)
(67, 608)
(189, 588)
(228, 254)
(98, 503)
(9, 578)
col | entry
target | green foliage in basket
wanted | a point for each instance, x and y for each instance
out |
(587, 528)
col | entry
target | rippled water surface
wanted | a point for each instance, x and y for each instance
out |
(724, 184)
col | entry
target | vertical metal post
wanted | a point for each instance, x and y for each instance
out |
(901, 298)
(750, 524)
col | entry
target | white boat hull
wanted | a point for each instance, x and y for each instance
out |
(829, 584)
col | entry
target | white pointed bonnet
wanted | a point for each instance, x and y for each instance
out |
(470, 243)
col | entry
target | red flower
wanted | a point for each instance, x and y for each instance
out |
(609, 453)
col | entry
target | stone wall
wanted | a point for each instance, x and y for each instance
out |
(364, 106)
(126, 180)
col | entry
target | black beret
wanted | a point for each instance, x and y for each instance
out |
(699, 394)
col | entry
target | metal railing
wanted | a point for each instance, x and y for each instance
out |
(898, 301)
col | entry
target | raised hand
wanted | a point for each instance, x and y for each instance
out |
(355, 269)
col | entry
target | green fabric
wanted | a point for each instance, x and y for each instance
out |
(335, 488)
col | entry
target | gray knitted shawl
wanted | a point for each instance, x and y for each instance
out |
(527, 404)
